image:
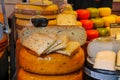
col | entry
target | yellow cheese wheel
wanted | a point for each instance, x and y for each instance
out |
(23, 16)
(54, 63)
(52, 7)
(108, 20)
(104, 11)
(40, 2)
(23, 75)
(28, 11)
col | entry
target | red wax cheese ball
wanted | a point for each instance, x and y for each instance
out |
(92, 34)
(87, 24)
(83, 14)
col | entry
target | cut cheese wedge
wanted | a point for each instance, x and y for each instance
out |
(64, 39)
(66, 19)
(105, 60)
(39, 42)
(72, 47)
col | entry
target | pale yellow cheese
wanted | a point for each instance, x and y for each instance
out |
(71, 48)
(62, 45)
(105, 60)
(66, 19)
(39, 42)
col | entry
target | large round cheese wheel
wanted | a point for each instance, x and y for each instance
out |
(23, 75)
(97, 45)
(28, 11)
(104, 11)
(54, 63)
(23, 16)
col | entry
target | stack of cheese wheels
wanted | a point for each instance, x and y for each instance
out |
(53, 66)
(24, 12)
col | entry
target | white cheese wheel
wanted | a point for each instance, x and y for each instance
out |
(75, 33)
(99, 44)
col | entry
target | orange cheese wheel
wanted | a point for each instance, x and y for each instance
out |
(54, 63)
(23, 75)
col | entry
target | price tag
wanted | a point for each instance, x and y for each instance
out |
(114, 29)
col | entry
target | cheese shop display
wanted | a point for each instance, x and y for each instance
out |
(52, 51)
(51, 40)
(102, 18)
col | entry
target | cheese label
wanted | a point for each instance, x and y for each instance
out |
(114, 29)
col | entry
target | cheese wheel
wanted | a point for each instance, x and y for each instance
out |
(52, 7)
(102, 43)
(22, 16)
(21, 23)
(53, 63)
(28, 11)
(75, 33)
(23, 75)
(105, 11)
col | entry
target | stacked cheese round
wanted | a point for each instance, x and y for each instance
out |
(23, 75)
(28, 11)
(24, 13)
(53, 66)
